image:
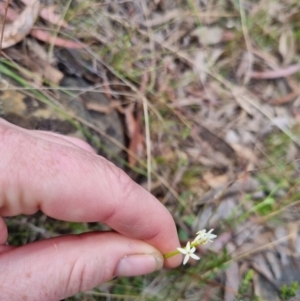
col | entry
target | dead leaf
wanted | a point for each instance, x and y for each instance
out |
(35, 62)
(247, 232)
(203, 217)
(162, 19)
(285, 99)
(244, 152)
(57, 41)
(232, 278)
(52, 74)
(274, 74)
(216, 142)
(226, 209)
(17, 30)
(40, 61)
(200, 65)
(114, 104)
(133, 124)
(245, 66)
(129, 119)
(274, 264)
(209, 35)
(220, 242)
(39, 34)
(136, 143)
(287, 45)
(184, 102)
(260, 265)
(215, 181)
(264, 289)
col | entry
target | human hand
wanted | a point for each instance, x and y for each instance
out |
(65, 179)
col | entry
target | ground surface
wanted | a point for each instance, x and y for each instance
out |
(199, 102)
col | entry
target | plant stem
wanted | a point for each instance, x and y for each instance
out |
(171, 254)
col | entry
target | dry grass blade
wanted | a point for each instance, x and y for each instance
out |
(17, 30)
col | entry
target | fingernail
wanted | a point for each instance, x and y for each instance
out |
(139, 264)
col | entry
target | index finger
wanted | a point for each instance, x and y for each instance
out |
(70, 184)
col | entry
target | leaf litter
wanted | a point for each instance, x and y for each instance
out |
(22, 25)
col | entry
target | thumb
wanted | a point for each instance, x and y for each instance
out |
(57, 268)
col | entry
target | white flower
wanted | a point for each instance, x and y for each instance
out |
(188, 252)
(204, 237)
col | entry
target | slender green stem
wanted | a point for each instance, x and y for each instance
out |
(173, 253)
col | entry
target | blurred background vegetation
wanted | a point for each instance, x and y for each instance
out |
(199, 102)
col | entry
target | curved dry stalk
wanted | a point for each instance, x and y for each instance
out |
(17, 30)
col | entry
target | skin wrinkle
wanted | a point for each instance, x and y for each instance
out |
(132, 221)
(52, 162)
(17, 197)
(82, 266)
(25, 162)
(65, 156)
(82, 279)
(8, 138)
(83, 269)
(119, 178)
(127, 189)
(51, 155)
(56, 159)
(69, 281)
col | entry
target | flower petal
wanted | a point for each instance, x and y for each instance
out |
(186, 259)
(183, 251)
(192, 250)
(188, 246)
(195, 256)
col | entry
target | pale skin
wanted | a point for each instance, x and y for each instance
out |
(66, 180)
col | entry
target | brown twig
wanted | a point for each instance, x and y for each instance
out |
(285, 99)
